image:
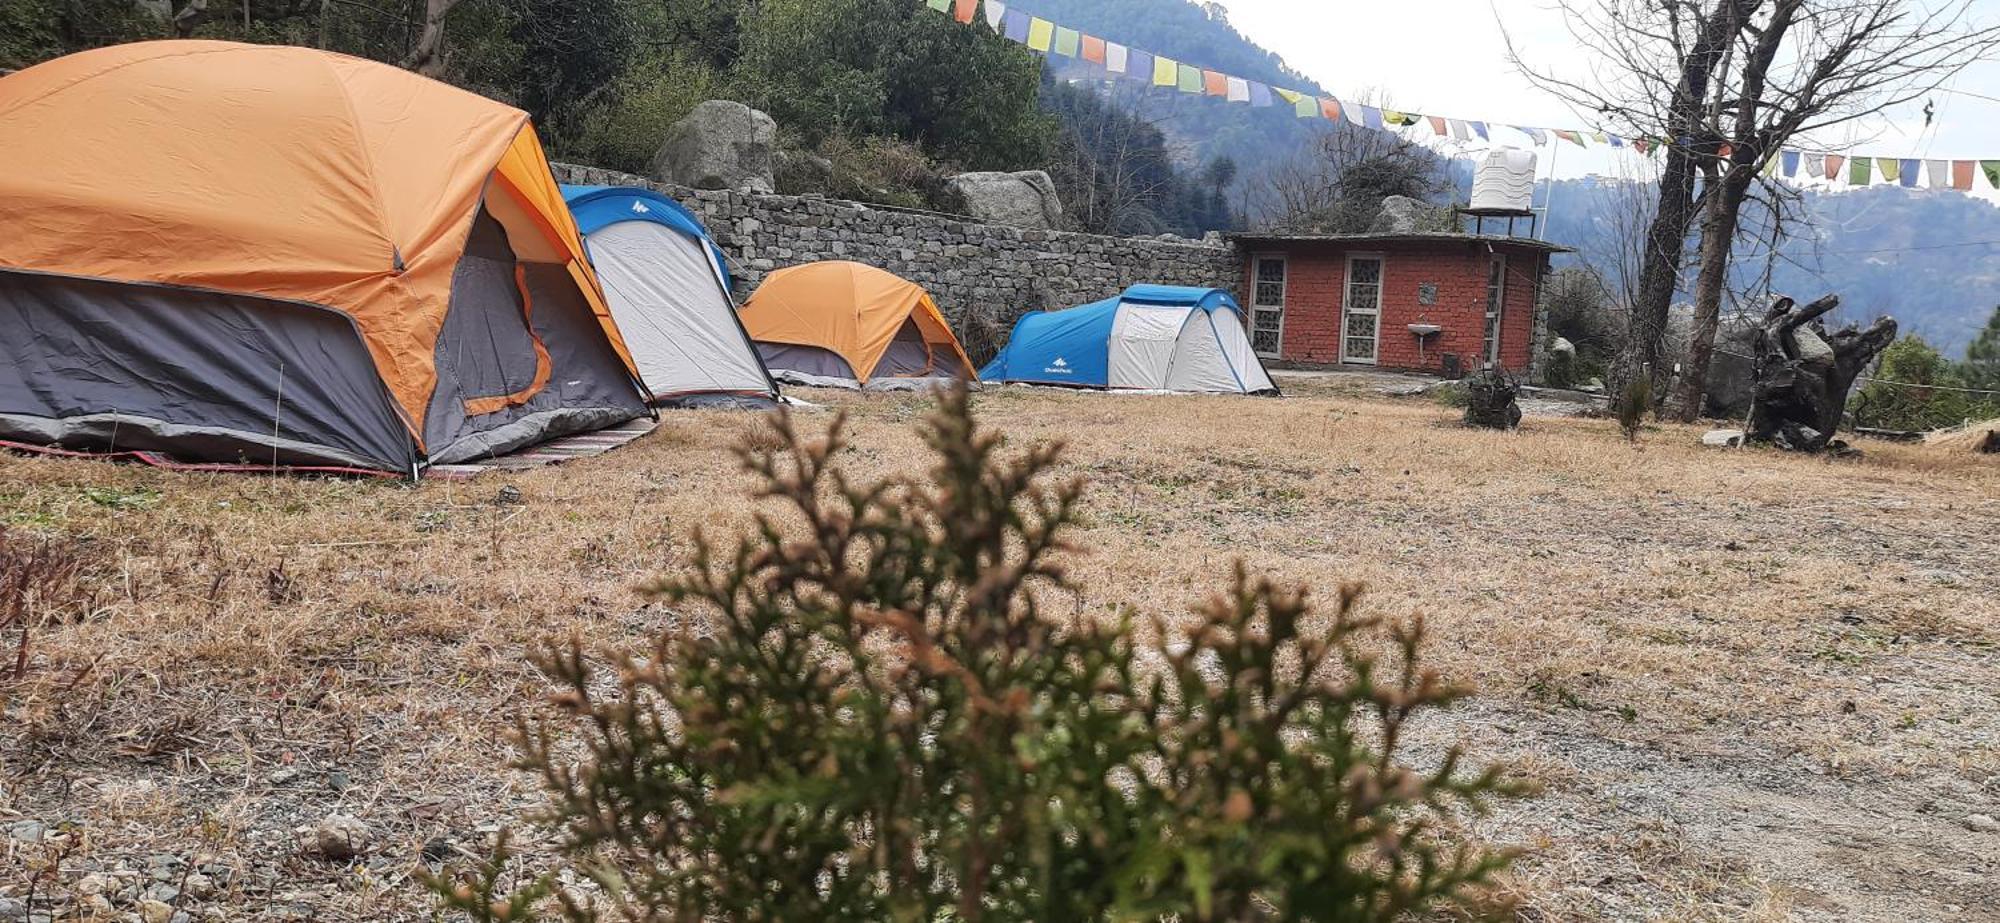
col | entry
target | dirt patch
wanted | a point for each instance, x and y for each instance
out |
(1755, 686)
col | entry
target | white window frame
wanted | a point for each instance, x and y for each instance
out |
(1496, 307)
(1347, 308)
(1257, 305)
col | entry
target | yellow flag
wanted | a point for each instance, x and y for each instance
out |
(1041, 33)
(1166, 71)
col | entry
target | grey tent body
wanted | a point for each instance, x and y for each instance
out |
(669, 294)
(208, 377)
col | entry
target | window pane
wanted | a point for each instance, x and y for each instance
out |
(1270, 293)
(1272, 270)
(1365, 271)
(1264, 341)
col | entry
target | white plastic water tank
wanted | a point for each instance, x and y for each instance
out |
(1504, 182)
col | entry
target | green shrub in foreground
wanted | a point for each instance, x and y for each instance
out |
(883, 719)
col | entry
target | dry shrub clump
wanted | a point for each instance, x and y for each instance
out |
(882, 718)
(39, 585)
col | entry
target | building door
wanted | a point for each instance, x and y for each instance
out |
(1361, 315)
(1267, 307)
(1496, 301)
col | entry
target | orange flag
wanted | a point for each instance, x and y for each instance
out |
(1329, 107)
(965, 10)
(1093, 49)
(1437, 124)
(1833, 162)
(1214, 84)
(1961, 174)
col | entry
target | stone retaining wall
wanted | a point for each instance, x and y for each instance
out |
(979, 273)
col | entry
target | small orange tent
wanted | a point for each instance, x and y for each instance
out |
(288, 255)
(848, 325)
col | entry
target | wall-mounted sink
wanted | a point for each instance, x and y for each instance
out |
(1424, 330)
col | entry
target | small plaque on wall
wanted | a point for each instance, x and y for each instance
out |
(1427, 293)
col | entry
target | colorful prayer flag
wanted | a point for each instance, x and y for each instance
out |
(1017, 24)
(1459, 132)
(1771, 165)
(1067, 41)
(1239, 90)
(1641, 145)
(1093, 49)
(1790, 163)
(1938, 172)
(1860, 171)
(1437, 124)
(1190, 79)
(1398, 119)
(1041, 34)
(1992, 170)
(1479, 128)
(1815, 166)
(1889, 167)
(1615, 140)
(942, 6)
(1141, 65)
(1600, 137)
(1166, 71)
(1330, 108)
(1214, 84)
(1115, 57)
(1907, 171)
(1961, 174)
(1833, 164)
(1260, 94)
(965, 11)
(1572, 137)
(1371, 117)
(1305, 107)
(996, 13)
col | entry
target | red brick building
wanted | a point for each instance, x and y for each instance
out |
(1417, 302)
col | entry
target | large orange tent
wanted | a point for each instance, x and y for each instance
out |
(850, 325)
(225, 251)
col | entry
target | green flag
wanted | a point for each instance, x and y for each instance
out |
(941, 6)
(1992, 169)
(1860, 171)
(1190, 79)
(1307, 107)
(1067, 40)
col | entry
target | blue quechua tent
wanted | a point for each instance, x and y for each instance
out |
(668, 290)
(1152, 337)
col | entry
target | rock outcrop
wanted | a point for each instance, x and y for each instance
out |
(720, 145)
(1024, 200)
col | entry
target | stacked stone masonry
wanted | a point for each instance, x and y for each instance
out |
(972, 269)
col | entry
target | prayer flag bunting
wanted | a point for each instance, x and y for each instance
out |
(1041, 34)
(942, 6)
(996, 12)
(1860, 171)
(1330, 108)
(1790, 160)
(1641, 145)
(1815, 165)
(1907, 170)
(965, 11)
(1938, 172)
(1833, 164)
(1371, 116)
(1889, 167)
(1239, 90)
(1190, 79)
(1616, 141)
(1305, 107)
(1437, 125)
(1459, 132)
(1992, 170)
(1770, 165)
(1260, 95)
(1214, 84)
(1166, 71)
(1479, 128)
(1961, 174)
(1115, 57)
(1017, 24)
(1600, 137)
(1093, 49)
(1398, 119)
(1067, 42)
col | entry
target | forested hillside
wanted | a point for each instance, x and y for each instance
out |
(1884, 250)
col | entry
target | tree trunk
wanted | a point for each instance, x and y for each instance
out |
(1718, 243)
(428, 57)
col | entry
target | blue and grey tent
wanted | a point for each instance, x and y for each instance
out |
(668, 290)
(1152, 337)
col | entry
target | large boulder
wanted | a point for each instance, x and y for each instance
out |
(1404, 215)
(1026, 199)
(1731, 370)
(720, 145)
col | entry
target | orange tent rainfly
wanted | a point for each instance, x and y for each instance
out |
(233, 252)
(842, 324)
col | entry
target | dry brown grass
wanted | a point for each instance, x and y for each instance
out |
(1756, 686)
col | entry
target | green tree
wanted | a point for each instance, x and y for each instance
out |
(884, 717)
(1981, 368)
(1917, 388)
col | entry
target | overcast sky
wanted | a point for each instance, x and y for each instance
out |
(1448, 58)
